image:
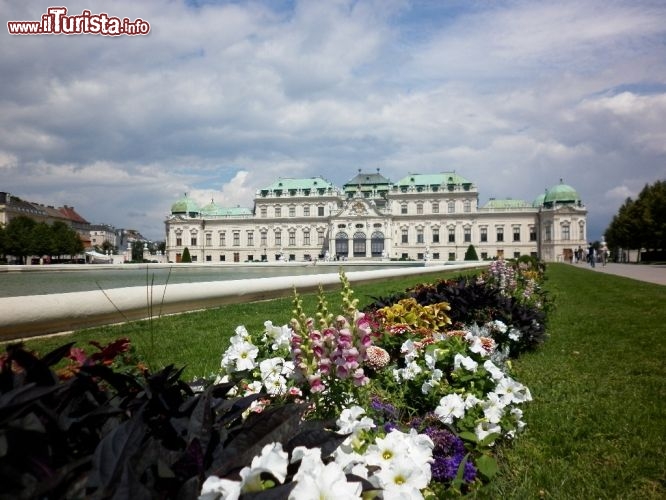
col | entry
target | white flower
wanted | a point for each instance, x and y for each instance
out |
(493, 408)
(279, 335)
(494, 371)
(409, 350)
(314, 480)
(450, 406)
(215, 487)
(484, 429)
(350, 422)
(515, 334)
(243, 354)
(403, 479)
(512, 392)
(471, 401)
(499, 325)
(464, 361)
(272, 460)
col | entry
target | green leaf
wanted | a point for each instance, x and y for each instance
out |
(487, 466)
(468, 436)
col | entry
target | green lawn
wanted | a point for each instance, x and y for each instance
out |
(597, 425)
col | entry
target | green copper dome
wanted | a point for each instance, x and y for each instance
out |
(560, 194)
(538, 201)
(185, 205)
(211, 209)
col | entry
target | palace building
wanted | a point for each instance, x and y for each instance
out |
(420, 217)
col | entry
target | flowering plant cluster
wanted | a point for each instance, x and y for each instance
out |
(420, 402)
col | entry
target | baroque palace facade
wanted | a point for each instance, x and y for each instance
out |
(421, 217)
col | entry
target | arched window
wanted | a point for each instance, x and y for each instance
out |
(359, 244)
(377, 244)
(341, 244)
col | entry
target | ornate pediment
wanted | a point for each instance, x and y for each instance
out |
(358, 208)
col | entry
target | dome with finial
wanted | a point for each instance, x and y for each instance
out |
(211, 209)
(561, 194)
(185, 206)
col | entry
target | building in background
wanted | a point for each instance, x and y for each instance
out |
(420, 217)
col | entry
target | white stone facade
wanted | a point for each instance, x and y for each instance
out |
(421, 217)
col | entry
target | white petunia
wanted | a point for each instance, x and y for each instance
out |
(465, 361)
(350, 421)
(272, 460)
(243, 355)
(403, 479)
(214, 488)
(484, 429)
(494, 371)
(450, 406)
(493, 408)
(322, 482)
(512, 392)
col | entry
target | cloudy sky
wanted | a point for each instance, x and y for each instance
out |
(223, 97)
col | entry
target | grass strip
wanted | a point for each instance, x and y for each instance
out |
(597, 425)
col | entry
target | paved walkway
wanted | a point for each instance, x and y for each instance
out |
(642, 272)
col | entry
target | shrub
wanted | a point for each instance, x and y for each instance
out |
(470, 254)
(186, 256)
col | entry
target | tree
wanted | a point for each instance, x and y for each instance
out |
(470, 254)
(640, 223)
(43, 237)
(19, 237)
(186, 256)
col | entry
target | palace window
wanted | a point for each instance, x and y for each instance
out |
(516, 233)
(292, 238)
(278, 237)
(483, 235)
(278, 212)
(250, 238)
(320, 211)
(533, 235)
(566, 232)
(236, 238)
(419, 236)
(452, 235)
(306, 237)
(451, 207)
(223, 239)
(468, 206)
(435, 235)
(500, 234)
(403, 208)
(179, 241)
(320, 237)
(209, 239)
(306, 210)
(468, 235)
(292, 211)
(264, 212)
(193, 241)
(264, 238)
(404, 238)
(435, 208)
(419, 208)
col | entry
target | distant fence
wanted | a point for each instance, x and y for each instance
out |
(35, 315)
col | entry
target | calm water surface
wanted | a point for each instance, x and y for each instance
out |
(17, 283)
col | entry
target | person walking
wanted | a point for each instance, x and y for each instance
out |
(591, 255)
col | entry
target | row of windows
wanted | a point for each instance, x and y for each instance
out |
(434, 207)
(467, 235)
(291, 211)
(250, 239)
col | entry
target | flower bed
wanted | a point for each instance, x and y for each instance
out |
(422, 399)
(405, 399)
